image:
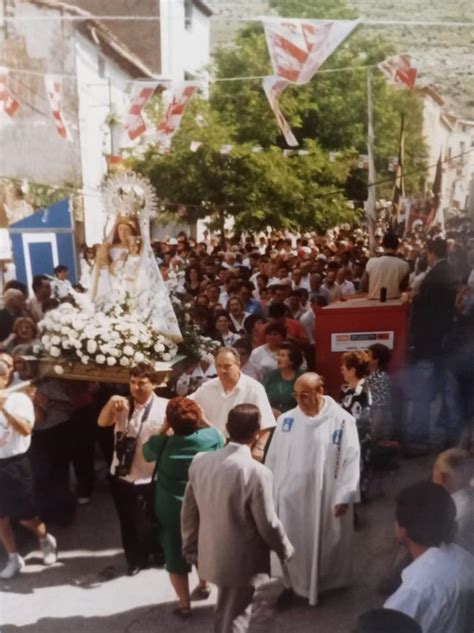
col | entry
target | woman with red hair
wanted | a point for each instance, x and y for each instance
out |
(183, 435)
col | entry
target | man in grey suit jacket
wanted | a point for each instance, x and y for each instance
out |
(229, 523)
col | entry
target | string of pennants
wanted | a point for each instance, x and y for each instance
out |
(297, 50)
(362, 159)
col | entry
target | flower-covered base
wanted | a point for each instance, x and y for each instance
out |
(113, 339)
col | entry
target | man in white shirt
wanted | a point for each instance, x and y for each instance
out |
(231, 387)
(437, 589)
(135, 420)
(454, 470)
(387, 271)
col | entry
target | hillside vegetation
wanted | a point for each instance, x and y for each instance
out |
(445, 53)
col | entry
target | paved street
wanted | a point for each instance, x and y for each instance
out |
(86, 591)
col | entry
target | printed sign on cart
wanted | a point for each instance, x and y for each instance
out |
(348, 341)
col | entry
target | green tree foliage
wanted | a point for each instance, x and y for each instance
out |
(329, 114)
(258, 189)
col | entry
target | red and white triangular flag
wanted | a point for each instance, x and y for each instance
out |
(54, 91)
(274, 87)
(400, 70)
(181, 96)
(298, 48)
(135, 123)
(8, 103)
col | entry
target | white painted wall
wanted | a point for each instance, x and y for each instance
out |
(30, 146)
(197, 43)
(442, 137)
(97, 96)
(183, 50)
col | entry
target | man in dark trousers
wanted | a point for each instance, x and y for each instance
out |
(229, 523)
(135, 420)
(431, 323)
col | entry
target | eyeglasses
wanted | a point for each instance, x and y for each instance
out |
(303, 395)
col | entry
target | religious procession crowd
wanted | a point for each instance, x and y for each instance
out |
(244, 455)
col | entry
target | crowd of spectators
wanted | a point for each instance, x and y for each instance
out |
(259, 297)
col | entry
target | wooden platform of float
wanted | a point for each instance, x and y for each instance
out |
(70, 370)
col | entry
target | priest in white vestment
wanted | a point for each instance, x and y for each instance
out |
(314, 456)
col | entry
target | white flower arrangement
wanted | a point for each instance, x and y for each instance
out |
(113, 338)
(208, 348)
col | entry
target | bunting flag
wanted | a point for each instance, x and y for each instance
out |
(195, 145)
(298, 48)
(273, 87)
(182, 94)
(436, 214)
(54, 91)
(135, 124)
(8, 103)
(400, 71)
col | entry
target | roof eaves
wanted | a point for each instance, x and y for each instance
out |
(203, 7)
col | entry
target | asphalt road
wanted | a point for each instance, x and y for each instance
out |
(87, 591)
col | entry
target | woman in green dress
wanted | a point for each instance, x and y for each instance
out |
(279, 382)
(173, 454)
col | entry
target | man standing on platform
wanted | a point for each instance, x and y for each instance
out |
(314, 456)
(388, 271)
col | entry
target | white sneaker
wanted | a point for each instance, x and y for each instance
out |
(13, 567)
(49, 549)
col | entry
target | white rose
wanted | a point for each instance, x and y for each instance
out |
(128, 350)
(159, 347)
(100, 359)
(55, 340)
(138, 357)
(55, 351)
(91, 347)
(59, 370)
(76, 343)
(133, 340)
(125, 362)
(113, 351)
(111, 361)
(45, 339)
(166, 357)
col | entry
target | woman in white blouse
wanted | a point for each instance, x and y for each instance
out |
(265, 357)
(16, 480)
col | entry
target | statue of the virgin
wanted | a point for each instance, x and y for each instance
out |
(126, 268)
